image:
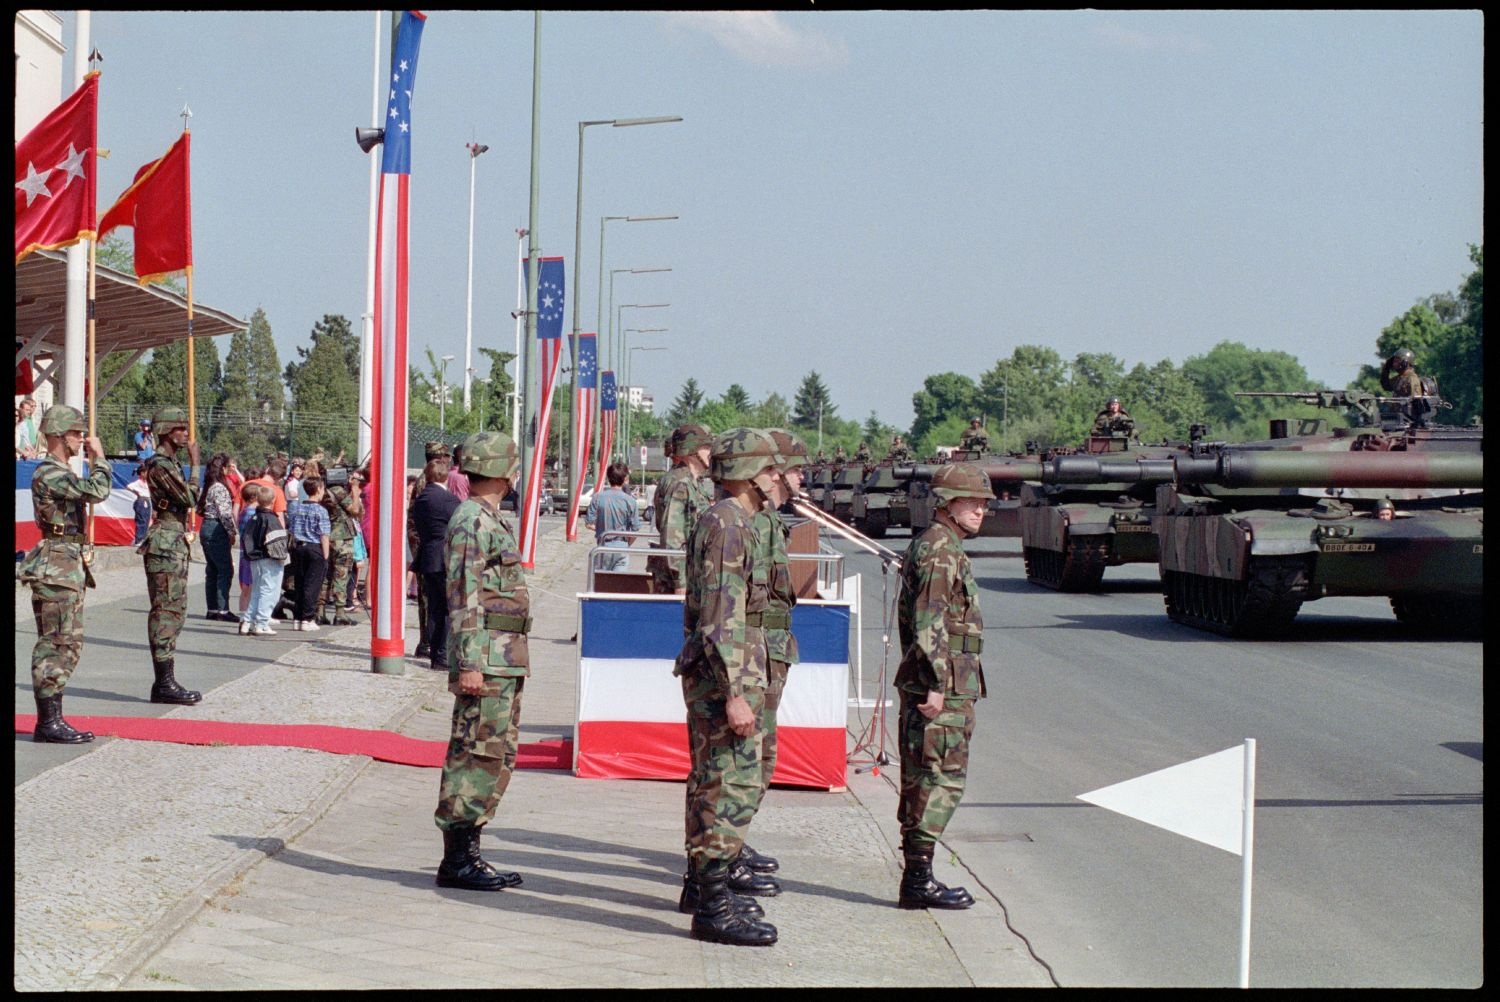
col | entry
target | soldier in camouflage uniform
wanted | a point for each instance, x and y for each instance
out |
(723, 667)
(781, 646)
(57, 567)
(899, 452)
(684, 493)
(939, 679)
(489, 611)
(1113, 418)
(344, 510)
(974, 438)
(167, 549)
(862, 454)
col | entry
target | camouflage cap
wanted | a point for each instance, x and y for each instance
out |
(61, 419)
(688, 438)
(743, 454)
(793, 450)
(170, 417)
(491, 454)
(961, 480)
(432, 450)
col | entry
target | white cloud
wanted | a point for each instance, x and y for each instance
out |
(1117, 36)
(763, 38)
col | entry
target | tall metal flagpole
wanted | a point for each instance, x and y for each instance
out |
(192, 373)
(367, 324)
(519, 315)
(75, 335)
(533, 256)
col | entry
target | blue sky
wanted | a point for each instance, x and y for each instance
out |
(879, 196)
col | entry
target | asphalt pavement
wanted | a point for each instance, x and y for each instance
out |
(146, 865)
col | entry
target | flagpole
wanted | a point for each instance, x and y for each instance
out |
(75, 335)
(93, 368)
(1248, 858)
(367, 323)
(533, 279)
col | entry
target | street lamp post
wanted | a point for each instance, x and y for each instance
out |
(630, 407)
(474, 150)
(578, 233)
(619, 323)
(443, 393)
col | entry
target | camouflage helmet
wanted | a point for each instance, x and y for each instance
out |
(491, 454)
(687, 439)
(793, 450)
(61, 419)
(433, 450)
(170, 417)
(1385, 504)
(961, 480)
(1404, 355)
(743, 454)
(1111, 401)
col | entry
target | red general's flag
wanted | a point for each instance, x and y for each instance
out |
(55, 174)
(158, 204)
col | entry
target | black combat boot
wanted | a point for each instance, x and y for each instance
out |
(166, 689)
(340, 619)
(461, 866)
(743, 880)
(511, 879)
(759, 862)
(920, 890)
(716, 919)
(687, 903)
(52, 728)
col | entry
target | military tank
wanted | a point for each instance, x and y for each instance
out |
(1243, 548)
(838, 496)
(1001, 514)
(815, 480)
(879, 502)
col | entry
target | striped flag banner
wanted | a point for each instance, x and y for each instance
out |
(583, 406)
(549, 321)
(114, 519)
(608, 413)
(388, 381)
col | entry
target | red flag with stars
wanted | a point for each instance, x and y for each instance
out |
(55, 174)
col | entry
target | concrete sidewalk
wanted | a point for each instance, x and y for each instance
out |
(144, 865)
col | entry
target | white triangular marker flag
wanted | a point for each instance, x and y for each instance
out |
(1203, 799)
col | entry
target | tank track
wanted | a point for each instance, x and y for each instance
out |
(1079, 567)
(1261, 606)
(1440, 615)
(876, 521)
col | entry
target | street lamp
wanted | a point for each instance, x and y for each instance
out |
(578, 235)
(629, 406)
(443, 393)
(474, 150)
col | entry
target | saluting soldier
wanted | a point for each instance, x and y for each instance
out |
(57, 567)
(344, 510)
(489, 613)
(167, 550)
(723, 667)
(684, 493)
(939, 679)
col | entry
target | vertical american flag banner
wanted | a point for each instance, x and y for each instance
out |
(584, 382)
(607, 413)
(549, 339)
(388, 381)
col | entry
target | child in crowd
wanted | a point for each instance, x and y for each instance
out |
(249, 499)
(265, 570)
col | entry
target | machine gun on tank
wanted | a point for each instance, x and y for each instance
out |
(1366, 410)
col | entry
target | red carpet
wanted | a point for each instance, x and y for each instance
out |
(383, 746)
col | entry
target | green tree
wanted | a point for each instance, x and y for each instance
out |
(719, 416)
(1165, 401)
(812, 403)
(689, 399)
(264, 371)
(492, 395)
(1024, 391)
(116, 427)
(325, 383)
(1229, 368)
(164, 380)
(772, 412)
(946, 432)
(1457, 358)
(941, 396)
(737, 398)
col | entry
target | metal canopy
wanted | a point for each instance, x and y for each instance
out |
(128, 316)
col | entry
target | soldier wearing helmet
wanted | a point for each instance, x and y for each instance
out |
(167, 548)
(724, 672)
(974, 438)
(57, 567)
(1113, 418)
(684, 493)
(1399, 374)
(899, 452)
(862, 454)
(1385, 509)
(489, 613)
(939, 679)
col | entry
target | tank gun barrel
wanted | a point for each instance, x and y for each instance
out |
(1278, 468)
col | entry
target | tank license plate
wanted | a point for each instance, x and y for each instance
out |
(1348, 547)
(1131, 527)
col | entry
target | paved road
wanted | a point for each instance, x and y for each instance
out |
(1369, 822)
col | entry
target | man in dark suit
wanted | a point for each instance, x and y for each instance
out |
(430, 512)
